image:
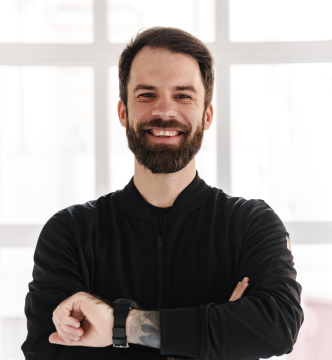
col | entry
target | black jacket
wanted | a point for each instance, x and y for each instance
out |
(210, 242)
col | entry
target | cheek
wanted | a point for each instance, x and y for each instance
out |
(141, 110)
(192, 115)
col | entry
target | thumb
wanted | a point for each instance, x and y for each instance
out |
(54, 338)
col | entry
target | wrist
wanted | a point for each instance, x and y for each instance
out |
(130, 325)
(143, 328)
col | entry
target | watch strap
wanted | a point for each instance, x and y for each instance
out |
(121, 312)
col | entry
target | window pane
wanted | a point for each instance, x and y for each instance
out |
(16, 266)
(280, 20)
(122, 159)
(281, 118)
(46, 141)
(61, 21)
(206, 159)
(314, 272)
(127, 17)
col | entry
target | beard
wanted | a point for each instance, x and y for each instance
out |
(162, 158)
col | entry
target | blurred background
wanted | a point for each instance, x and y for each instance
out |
(61, 142)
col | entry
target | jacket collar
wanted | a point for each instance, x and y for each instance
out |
(190, 197)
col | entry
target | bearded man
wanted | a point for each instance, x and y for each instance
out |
(161, 268)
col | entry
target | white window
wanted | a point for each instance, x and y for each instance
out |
(61, 142)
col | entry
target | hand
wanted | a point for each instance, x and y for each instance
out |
(83, 320)
(237, 293)
(239, 290)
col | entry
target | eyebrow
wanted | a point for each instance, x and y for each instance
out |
(143, 87)
(150, 87)
(186, 88)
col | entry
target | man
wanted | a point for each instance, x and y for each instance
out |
(168, 248)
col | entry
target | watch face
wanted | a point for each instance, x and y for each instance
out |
(128, 302)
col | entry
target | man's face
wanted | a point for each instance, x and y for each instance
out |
(165, 93)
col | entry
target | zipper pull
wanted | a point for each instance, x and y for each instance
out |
(160, 243)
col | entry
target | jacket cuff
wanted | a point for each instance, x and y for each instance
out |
(180, 332)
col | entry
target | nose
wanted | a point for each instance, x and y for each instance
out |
(164, 108)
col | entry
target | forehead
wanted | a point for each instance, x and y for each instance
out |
(162, 67)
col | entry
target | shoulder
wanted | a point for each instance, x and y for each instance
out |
(253, 222)
(88, 210)
(239, 206)
(80, 215)
(244, 213)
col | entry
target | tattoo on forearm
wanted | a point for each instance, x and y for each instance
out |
(146, 329)
(173, 358)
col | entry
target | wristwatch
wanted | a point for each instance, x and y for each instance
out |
(121, 311)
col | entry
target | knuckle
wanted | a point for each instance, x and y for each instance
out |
(63, 335)
(64, 328)
(74, 337)
(67, 328)
(55, 320)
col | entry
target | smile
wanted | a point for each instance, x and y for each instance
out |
(164, 136)
(157, 132)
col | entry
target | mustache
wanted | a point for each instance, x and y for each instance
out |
(164, 124)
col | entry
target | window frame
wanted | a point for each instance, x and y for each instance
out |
(101, 54)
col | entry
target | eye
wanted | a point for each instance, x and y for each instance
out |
(146, 95)
(186, 96)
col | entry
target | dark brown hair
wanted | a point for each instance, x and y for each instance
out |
(174, 40)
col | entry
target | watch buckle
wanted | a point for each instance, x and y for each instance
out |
(121, 346)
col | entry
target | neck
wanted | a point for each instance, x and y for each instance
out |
(162, 189)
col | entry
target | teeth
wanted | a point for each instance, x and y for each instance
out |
(164, 133)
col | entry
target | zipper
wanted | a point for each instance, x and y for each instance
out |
(159, 249)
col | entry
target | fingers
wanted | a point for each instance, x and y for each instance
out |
(239, 290)
(56, 339)
(68, 328)
(81, 320)
(65, 332)
(64, 311)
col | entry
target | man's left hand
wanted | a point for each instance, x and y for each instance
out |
(83, 320)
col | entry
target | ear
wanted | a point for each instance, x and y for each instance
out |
(122, 113)
(208, 117)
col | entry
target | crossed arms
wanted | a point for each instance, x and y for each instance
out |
(265, 322)
(84, 320)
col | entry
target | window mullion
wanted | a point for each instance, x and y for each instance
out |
(223, 125)
(19, 235)
(222, 22)
(309, 232)
(100, 22)
(222, 68)
(102, 148)
(278, 52)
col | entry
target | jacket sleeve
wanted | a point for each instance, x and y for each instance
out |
(265, 321)
(59, 272)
